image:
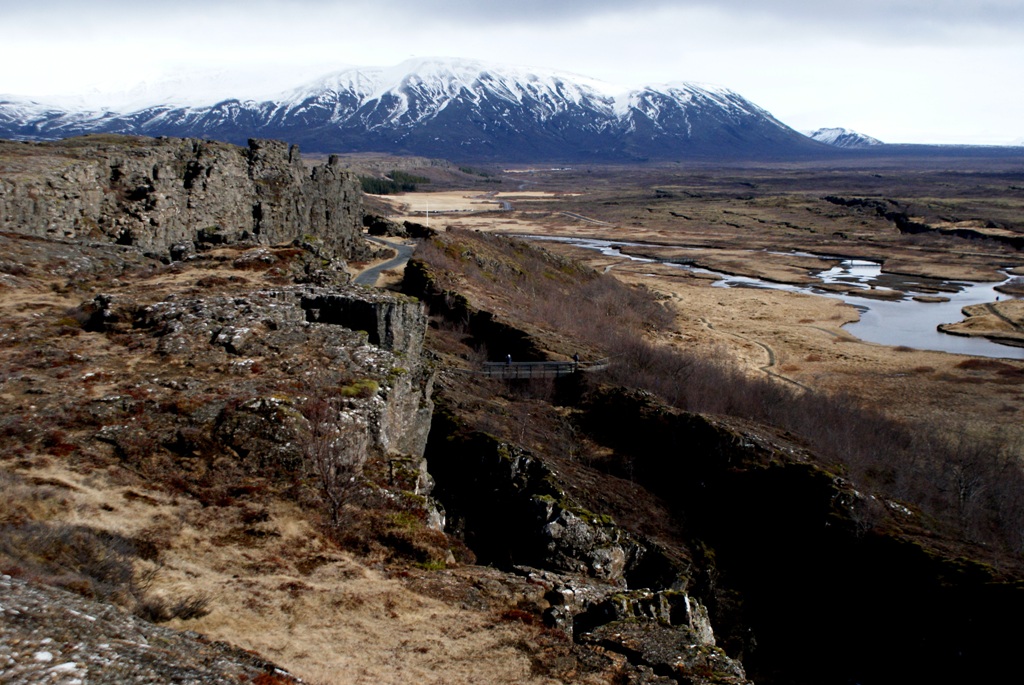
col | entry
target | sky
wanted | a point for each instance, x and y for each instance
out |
(903, 71)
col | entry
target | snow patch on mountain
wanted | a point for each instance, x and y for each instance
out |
(417, 90)
(842, 137)
(434, 107)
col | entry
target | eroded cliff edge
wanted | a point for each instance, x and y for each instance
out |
(169, 195)
(809, 572)
(166, 344)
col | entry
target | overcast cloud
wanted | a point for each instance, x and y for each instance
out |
(901, 70)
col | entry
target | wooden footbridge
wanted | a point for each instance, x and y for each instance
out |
(528, 370)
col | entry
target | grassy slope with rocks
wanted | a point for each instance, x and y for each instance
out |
(161, 431)
(837, 496)
(161, 476)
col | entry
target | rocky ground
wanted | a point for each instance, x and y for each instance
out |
(162, 421)
(154, 423)
(778, 496)
(53, 636)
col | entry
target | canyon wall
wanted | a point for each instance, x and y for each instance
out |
(169, 196)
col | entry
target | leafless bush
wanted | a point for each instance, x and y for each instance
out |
(333, 448)
(94, 563)
(978, 482)
(25, 501)
(394, 525)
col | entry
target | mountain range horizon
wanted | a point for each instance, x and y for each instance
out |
(444, 107)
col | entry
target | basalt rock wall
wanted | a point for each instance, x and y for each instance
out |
(391, 396)
(812, 581)
(169, 196)
(498, 337)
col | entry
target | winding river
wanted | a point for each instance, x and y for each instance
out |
(905, 321)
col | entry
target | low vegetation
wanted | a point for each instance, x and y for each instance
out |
(393, 182)
(94, 563)
(967, 483)
(236, 495)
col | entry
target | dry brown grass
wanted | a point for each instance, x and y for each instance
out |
(273, 584)
(924, 464)
(259, 553)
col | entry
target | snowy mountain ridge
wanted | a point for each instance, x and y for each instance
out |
(842, 137)
(462, 109)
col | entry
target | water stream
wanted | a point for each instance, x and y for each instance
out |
(905, 321)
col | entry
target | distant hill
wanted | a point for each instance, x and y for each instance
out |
(841, 137)
(463, 110)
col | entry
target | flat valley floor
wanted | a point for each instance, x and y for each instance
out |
(742, 218)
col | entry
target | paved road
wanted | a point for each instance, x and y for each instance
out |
(369, 277)
(505, 205)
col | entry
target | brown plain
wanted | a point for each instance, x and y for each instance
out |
(732, 214)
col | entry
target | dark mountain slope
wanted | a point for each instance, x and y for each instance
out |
(459, 110)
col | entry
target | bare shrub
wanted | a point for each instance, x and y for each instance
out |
(984, 364)
(334, 446)
(14, 268)
(542, 288)
(969, 483)
(24, 501)
(93, 563)
(394, 526)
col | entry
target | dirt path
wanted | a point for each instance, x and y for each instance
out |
(768, 368)
(586, 219)
(991, 307)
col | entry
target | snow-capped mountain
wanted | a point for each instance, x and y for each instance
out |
(842, 137)
(456, 109)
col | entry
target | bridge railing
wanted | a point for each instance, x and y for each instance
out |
(526, 370)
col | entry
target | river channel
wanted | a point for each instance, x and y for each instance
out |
(904, 321)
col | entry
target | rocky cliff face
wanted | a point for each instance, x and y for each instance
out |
(383, 379)
(169, 195)
(800, 555)
(604, 586)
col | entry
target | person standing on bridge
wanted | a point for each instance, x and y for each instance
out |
(576, 360)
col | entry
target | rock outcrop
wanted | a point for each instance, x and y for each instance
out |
(373, 338)
(169, 196)
(224, 390)
(50, 635)
(795, 547)
(899, 213)
(604, 586)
